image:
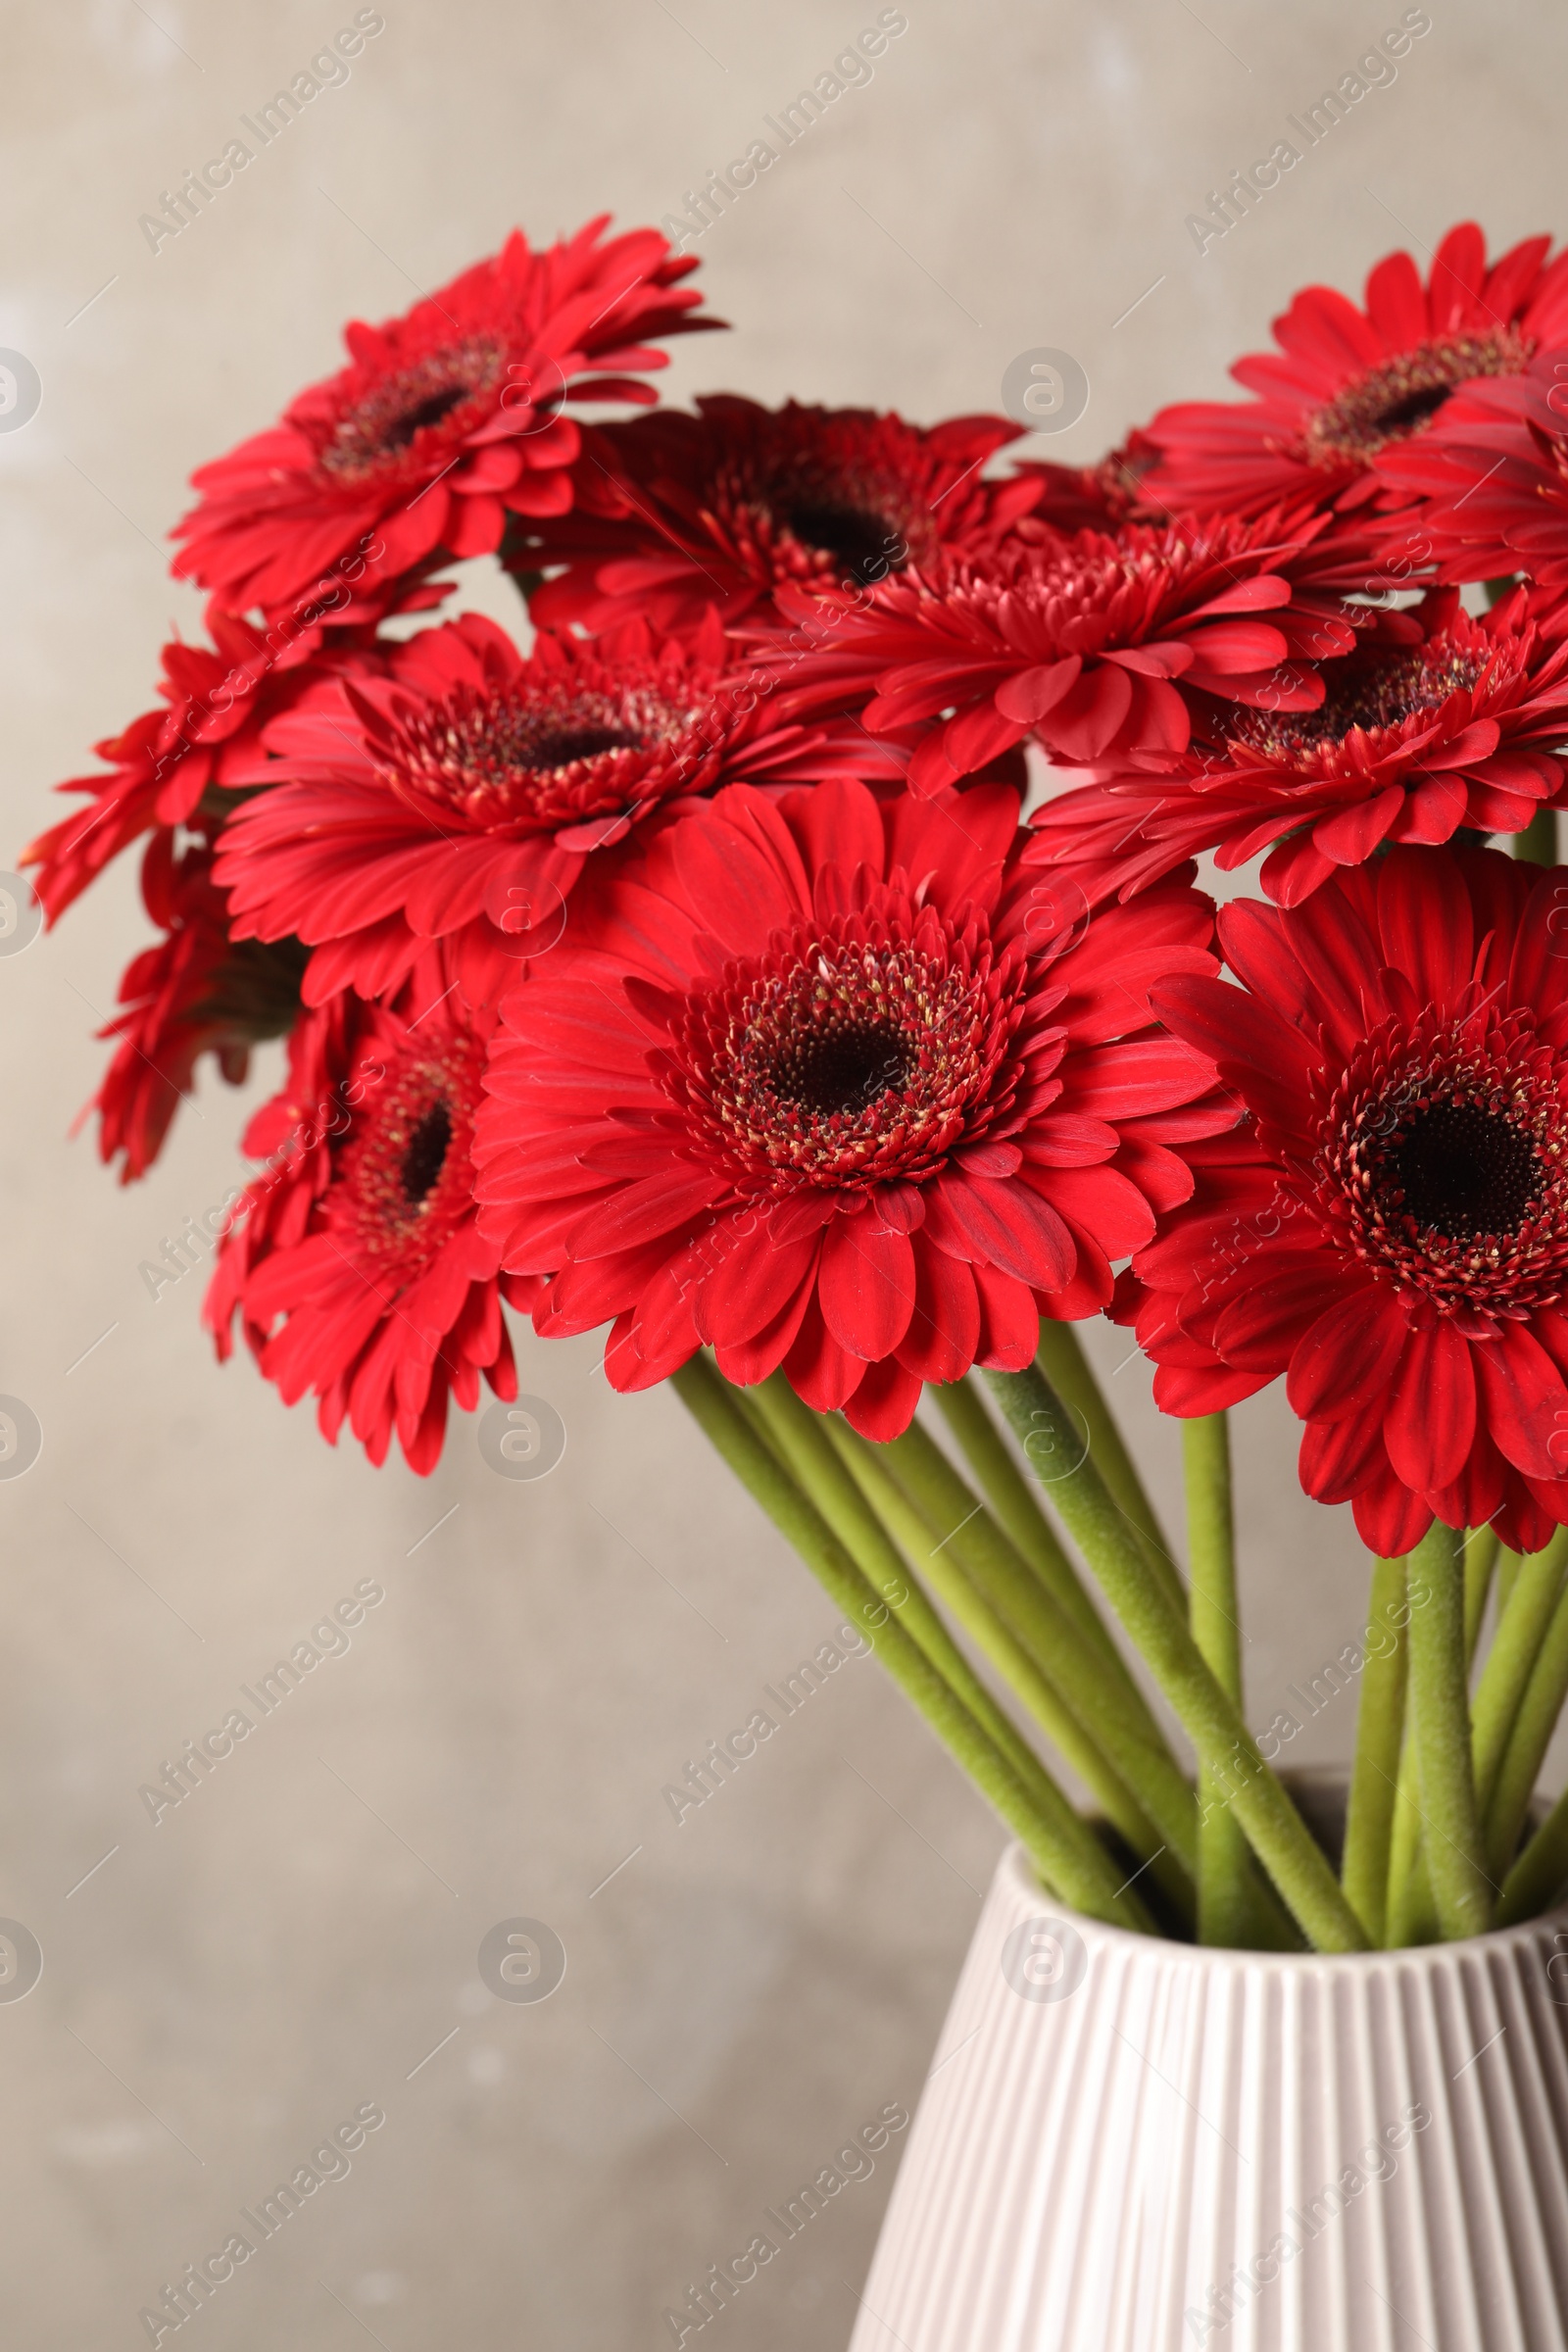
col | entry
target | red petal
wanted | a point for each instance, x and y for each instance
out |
(944, 1330)
(1348, 1357)
(639, 1213)
(1260, 1331)
(1338, 1456)
(1526, 1402)
(1431, 1417)
(747, 1360)
(1350, 837)
(1009, 1321)
(883, 1405)
(1085, 721)
(1424, 920)
(1187, 1390)
(739, 890)
(1389, 1519)
(1029, 696)
(1006, 1225)
(752, 1281)
(866, 1286)
(823, 1374)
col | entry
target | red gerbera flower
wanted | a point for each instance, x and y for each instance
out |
(825, 1085)
(354, 1263)
(463, 793)
(1390, 1227)
(1492, 474)
(1079, 642)
(1437, 720)
(674, 513)
(206, 741)
(194, 993)
(444, 421)
(1351, 385)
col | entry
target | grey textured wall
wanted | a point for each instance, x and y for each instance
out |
(289, 1946)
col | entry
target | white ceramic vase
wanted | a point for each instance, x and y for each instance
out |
(1128, 2145)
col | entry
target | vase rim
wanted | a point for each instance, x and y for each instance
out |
(1014, 1862)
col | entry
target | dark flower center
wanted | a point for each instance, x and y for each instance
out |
(1392, 402)
(1442, 1162)
(852, 1055)
(865, 545)
(1462, 1171)
(536, 758)
(1368, 691)
(404, 1176)
(1416, 408)
(430, 411)
(832, 508)
(374, 434)
(843, 1067)
(587, 743)
(426, 1153)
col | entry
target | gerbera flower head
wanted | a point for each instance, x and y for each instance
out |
(462, 795)
(178, 765)
(825, 1084)
(354, 1262)
(676, 512)
(1437, 720)
(1092, 644)
(194, 993)
(1389, 1228)
(1492, 480)
(1350, 386)
(444, 421)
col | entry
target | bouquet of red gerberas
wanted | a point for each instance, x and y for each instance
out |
(696, 971)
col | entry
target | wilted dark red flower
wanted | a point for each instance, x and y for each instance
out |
(1493, 478)
(675, 512)
(1092, 644)
(462, 795)
(204, 744)
(1436, 721)
(824, 1084)
(354, 1263)
(195, 992)
(1347, 385)
(1096, 497)
(444, 421)
(1390, 1229)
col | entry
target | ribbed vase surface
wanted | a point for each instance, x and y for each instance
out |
(1129, 2145)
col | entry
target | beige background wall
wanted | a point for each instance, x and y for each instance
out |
(290, 1943)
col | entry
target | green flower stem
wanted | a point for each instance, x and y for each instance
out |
(1528, 1741)
(1378, 1736)
(1224, 1857)
(1507, 1576)
(808, 1445)
(1067, 1368)
(1539, 1877)
(1013, 1500)
(1210, 1718)
(1412, 1912)
(966, 1600)
(1452, 1848)
(1112, 1715)
(1072, 1863)
(1538, 843)
(1481, 1550)
(1511, 1660)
